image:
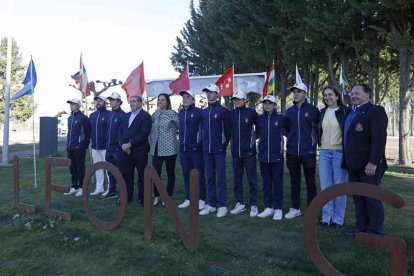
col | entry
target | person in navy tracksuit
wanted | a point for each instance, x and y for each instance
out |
(270, 128)
(243, 150)
(79, 135)
(191, 151)
(216, 136)
(302, 127)
(134, 139)
(99, 122)
(114, 154)
(364, 140)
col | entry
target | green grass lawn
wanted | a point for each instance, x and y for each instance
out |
(232, 245)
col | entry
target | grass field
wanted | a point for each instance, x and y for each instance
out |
(34, 244)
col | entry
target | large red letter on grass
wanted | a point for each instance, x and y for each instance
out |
(191, 240)
(49, 187)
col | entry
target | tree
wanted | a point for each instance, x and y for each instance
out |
(21, 109)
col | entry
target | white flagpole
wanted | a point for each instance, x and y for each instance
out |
(33, 122)
(5, 154)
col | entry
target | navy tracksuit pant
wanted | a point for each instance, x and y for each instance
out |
(193, 160)
(216, 168)
(239, 165)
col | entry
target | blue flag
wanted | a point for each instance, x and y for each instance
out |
(29, 82)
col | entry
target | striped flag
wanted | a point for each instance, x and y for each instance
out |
(81, 79)
(344, 83)
(269, 86)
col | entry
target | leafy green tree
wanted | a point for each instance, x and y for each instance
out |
(20, 109)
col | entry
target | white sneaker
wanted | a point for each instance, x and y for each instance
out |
(267, 212)
(185, 204)
(201, 204)
(79, 193)
(207, 210)
(156, 201)
(238, 209)
(253, 211)
(278, 214)
(221, 212)
(105, 193)
(97, 192)
(293, 213)
(71, 191)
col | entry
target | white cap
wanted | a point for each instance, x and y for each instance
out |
(270, 98)
(75, 101)
(115, 96)
(102, 97)
(212, 88)
(300, 86)
(241, 95)
(189, 92)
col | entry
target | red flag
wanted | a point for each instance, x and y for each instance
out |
(225, 82)
(135, 83)
(180, 84)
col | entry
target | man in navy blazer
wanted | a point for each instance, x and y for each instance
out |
(365, 136)
(134, 140)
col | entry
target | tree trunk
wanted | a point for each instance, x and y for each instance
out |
(316, 81)
(377, 86)
(332, 78)
(404, 131)
(282, 90)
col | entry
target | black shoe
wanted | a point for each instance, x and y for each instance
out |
(322, 223)
(352, 232)
(109, 195)
(118, 200)
(335, 225)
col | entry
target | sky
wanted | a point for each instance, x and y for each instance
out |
(113, 37)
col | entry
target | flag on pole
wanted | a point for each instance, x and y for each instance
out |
(344, 83)
(298, 78)
(81, 79)
(269, 86)
(135, 83)
(29, 82)
(225, 82)
(180, 84)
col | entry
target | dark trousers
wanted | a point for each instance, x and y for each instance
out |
(193, 160)
(77, 166)
(239, 165)
(137, 160)
(118, 159)
(157, 162)
(369, 213)
(294, 164)
(272, 175)
(216, 166)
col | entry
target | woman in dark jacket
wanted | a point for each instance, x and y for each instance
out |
(331, 126)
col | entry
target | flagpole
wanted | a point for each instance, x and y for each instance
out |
(33, 122)
(5, 154)
(274, 74)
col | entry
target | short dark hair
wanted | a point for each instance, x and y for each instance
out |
(339, 101)
(364, 86)
(167, 98)
(139, 98)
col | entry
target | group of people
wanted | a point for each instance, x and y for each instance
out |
(351, 143)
